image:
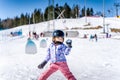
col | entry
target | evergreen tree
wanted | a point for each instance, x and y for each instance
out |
(49, 13)
(46, 14)
(67, 12)
(58, 10)
(16, 21)
(40, 15)
(37, 15)
(73, 12)
(77, 11)
(1, 27)
(22, 19)
(88, 12)
(26, 19)
(91, 12)
(7, 23)
(83, 12)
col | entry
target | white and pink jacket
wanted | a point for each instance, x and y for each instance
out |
(57, 53)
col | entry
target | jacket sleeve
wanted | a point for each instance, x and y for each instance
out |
(67, 50)
(47, 58)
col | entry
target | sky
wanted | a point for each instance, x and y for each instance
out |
(12, 8)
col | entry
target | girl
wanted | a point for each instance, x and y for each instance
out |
(56, 54)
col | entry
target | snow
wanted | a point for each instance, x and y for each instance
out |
(89, 60)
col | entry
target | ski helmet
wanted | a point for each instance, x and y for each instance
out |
(58, 33)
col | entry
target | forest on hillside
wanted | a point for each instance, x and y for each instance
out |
(50, 12)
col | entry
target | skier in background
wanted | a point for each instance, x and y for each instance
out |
(56, 55)
(91, 37)
(96, 38)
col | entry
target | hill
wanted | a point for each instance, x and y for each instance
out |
(88, 60)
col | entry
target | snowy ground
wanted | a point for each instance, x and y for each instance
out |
(89, 60)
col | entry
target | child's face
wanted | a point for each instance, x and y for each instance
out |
(60, 39)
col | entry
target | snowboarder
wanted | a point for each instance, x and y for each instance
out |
(56, 55)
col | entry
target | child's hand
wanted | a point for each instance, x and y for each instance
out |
(69, 43)
(40, 66)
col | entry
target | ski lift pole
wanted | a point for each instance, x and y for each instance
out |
(31, 47)
(33, 22)
(48, 18)
(85, 13)
(29, 28)
(53, 16)
(103, 16)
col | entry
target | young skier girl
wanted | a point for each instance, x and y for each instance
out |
(56, 54)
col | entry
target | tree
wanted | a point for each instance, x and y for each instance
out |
(36, 15)
(7, 23)
(88, 12)
(49, 13)
(58, 10)
(67, 12)
(46, 14)
(1, 27)
(26, 18)
(75, 11)
(83, 12)
(16, 21)
(22, 19)
(91, 12)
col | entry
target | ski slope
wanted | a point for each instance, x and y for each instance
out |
(88, 60)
